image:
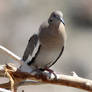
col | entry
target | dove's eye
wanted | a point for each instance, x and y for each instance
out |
(54, 15)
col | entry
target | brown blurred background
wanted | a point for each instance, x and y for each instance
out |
(19, 19)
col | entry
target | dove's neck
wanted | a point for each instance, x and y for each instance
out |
(54, 28)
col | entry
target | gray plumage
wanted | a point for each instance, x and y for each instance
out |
(46, 47)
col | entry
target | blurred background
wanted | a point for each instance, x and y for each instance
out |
(19, 19)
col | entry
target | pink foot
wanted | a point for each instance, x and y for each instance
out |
(51, 71)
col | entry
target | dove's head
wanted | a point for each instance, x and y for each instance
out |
(56, 17)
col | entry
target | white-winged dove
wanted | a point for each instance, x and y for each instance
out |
(46, 47)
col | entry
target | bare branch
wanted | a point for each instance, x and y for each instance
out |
(71, 81)
(18, 77)
(30, 82)
(11, 54)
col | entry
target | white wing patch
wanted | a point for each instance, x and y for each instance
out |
(34, 52)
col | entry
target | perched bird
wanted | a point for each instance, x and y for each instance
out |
(45, 48)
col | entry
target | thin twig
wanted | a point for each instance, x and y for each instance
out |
(13, 87)
(11, 54)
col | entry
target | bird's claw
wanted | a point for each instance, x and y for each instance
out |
(51, 72)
